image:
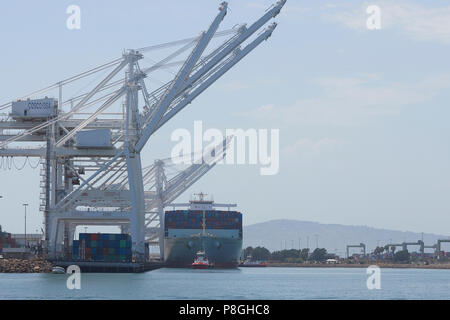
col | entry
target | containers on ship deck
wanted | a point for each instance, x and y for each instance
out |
(193, 219)
(107, 247)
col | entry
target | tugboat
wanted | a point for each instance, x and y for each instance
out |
(201, 261)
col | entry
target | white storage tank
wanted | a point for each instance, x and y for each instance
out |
(39, 108)
(100, 138)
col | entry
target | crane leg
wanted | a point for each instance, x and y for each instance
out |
(137, 219)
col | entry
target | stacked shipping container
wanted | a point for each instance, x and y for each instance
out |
(106, 247)
(193, 219)
(6, 241)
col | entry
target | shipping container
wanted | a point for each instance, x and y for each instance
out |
(102, 247)
(193, 219)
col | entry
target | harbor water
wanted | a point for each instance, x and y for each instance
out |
(244, 283)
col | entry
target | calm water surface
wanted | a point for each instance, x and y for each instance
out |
(245, 283)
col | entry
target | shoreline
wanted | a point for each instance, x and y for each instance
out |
(25, 266)
(354, 265)
(43, 266)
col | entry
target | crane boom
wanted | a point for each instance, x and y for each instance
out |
(217, 73)
(181, 77)
(244, 34)
(240, 54)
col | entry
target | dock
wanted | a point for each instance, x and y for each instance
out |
(111, 267)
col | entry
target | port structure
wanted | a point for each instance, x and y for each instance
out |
(361, 245)
(405, 245)
(159, 191)
(434, 246)
(395, 245)
(419, 243)
(438, 247)
(91, 156)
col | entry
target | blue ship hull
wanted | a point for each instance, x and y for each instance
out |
(222, 252)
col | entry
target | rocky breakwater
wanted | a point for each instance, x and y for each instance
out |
(25, 266)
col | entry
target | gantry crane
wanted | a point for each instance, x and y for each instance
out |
(438, 247)
(419, 243)
(405, 245)
(84, 146)
(393, 245)
(434, 247)
(159, 192)
(361, 245)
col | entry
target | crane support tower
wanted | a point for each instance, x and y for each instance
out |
(90, 153)
(419, 243)
(361, 245)
(438, 247)
(395, 245)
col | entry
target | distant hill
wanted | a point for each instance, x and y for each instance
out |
(277, 234)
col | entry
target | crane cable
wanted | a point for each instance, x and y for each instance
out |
(34, 167)
(5, 164)
(183, 41)
(68, 80)
(8, 162)
(15, 166)
(116, 61)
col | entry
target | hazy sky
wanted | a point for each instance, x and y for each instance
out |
(363, 114)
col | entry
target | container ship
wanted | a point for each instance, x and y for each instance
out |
(218, 233)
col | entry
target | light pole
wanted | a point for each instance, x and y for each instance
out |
(25, 205)
(1, 197)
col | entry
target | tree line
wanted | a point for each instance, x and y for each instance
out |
(318, 255)
(290, 255)
(399, 256)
